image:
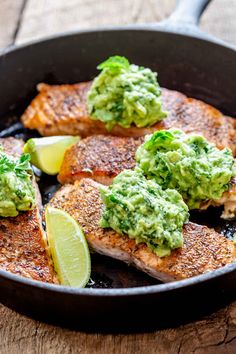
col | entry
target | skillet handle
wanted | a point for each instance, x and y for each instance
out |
(188, 12)
(184, 19)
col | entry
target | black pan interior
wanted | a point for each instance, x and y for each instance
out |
(195, 67)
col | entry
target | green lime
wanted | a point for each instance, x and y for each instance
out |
(68, 248)
(47, 153)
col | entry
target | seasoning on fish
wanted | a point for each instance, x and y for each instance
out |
(204, 249)
(23, 248)
(62, 110)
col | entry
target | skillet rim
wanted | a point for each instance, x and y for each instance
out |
(121, 292)
(189, 31)
(193, 32)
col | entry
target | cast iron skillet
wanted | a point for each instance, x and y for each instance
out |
(119, 297)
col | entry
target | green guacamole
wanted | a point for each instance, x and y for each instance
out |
(16, 190)
(187, 163)
(125, 94)
(141, 209)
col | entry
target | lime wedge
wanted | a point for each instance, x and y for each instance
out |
(68, 248)
(47, 153)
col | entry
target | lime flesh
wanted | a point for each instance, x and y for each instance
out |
(47, 153)
(68, 248)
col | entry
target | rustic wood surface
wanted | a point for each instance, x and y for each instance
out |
(23, 20)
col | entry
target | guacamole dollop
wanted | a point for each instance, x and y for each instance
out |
(141, 209)
(187, 163)
(125, 94)
(16, 190)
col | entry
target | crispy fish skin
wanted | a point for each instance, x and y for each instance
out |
(204, 249)
(22, 239)
(101, 157)
(61, 109)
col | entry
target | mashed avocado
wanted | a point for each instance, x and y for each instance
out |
(141, 209)
(187, 163)
(16, 190)
(125, 94)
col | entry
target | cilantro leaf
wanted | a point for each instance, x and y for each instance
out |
(20, 166)
(115, 62)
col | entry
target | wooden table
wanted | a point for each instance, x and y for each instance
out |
(23, 20)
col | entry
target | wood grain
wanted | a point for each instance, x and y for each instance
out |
(23, 20)
(213, 335)
(57, 16)
(220, 20)
(10, 17)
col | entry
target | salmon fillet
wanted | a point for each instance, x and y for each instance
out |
(228, 199)
(204, 249)
(22, 239)
(101, 157)
(61, 110)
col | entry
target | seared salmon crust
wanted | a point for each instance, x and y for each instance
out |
(61, 110)
(22, 248)
(204, 249)
(101, 157)
(22, 239)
